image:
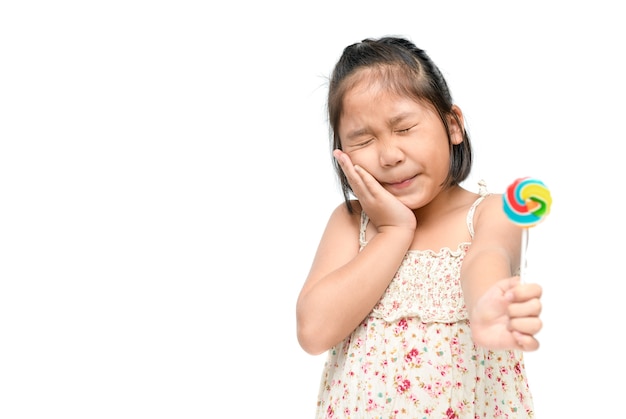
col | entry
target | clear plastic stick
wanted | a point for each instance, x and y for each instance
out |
(523, 262)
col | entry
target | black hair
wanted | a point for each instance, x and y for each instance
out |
(407, 70)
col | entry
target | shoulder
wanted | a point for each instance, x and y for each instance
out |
(494, 233)
(490, 217)
(341, 212)
(340, 239)
(491, 202)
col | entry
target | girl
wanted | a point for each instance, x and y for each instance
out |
(413, 290)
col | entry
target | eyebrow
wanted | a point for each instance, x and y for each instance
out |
(357, 133)
(400, 117)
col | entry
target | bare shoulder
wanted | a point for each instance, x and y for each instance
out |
(490, 213)
(342, 219)
(490, 209)
(490, 221)
(496, 236)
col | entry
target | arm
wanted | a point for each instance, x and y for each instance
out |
(344, 284)
(503, 313)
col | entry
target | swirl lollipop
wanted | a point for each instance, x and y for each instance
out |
(527, 202)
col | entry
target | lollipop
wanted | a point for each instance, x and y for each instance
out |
(527, 202)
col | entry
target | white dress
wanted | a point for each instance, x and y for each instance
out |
(413, 355)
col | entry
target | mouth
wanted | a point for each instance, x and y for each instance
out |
(401, 184)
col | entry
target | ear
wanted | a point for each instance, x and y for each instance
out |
(456, 125)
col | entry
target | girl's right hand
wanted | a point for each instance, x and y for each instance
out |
(383, 209)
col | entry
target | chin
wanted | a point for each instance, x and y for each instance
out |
(412, 203)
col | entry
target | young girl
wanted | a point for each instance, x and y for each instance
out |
(413, 290)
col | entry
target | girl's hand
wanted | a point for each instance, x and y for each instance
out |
(507, 316)
(384, 210)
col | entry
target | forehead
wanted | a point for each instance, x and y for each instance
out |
(384, 80)
(369, 92)
(391, 76)
(366, 79)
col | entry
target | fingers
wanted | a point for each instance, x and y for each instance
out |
(523, 292)
(523, 311)
(526, 325)
(363, 184)
(525, 301)
(354, 179)
(529, 308)
(526, 342)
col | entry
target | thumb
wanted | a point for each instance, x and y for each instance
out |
(508, 286)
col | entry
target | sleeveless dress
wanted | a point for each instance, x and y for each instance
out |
(413, 357)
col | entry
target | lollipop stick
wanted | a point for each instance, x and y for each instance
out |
(523, 262)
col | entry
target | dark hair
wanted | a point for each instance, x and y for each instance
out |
(406, 70)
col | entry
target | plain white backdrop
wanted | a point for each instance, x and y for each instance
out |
(165, 177)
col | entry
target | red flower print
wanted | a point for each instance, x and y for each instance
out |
(411, 355)
(403, 384)
(450, 414)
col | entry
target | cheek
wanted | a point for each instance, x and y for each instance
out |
(366, 158)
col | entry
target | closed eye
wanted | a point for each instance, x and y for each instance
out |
(362, 143)
(405, 130)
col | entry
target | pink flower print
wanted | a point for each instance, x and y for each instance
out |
(434, 389)
(411, 355)
(450, 414)
(365, 367)
(403, 384)
(504, 385)
(371, 405)
(443, 369)
(438, 388)
(330, 413)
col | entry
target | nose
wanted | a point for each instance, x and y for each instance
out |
(390, 154)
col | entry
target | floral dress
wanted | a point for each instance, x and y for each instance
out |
(413, 355)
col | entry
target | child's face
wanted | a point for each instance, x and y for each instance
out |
(401, 142)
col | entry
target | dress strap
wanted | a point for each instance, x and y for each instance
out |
(364, 220)
(482, 190)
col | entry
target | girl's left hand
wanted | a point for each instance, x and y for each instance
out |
(507, 316)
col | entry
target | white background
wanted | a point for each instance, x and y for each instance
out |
(165, 177)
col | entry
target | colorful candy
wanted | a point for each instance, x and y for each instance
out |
(527, 202)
